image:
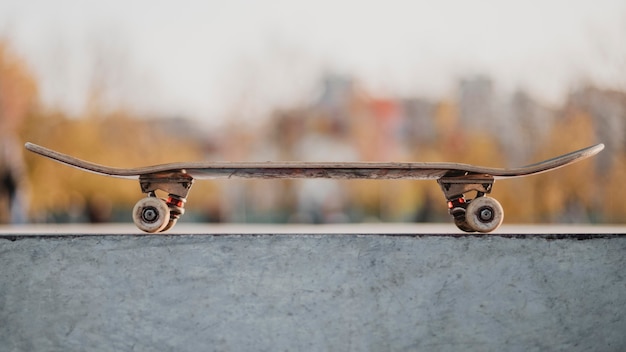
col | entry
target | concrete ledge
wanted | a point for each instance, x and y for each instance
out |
(242, 292)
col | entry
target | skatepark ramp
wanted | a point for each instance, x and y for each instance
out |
(346, 291)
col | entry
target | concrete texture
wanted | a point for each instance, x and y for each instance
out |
(312, 292)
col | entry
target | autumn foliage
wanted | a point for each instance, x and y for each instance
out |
(358, 127)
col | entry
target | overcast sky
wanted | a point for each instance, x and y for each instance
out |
(205, 59)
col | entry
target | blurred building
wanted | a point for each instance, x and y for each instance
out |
(608, 112)
(419, 122)
(477, 104)
(528, 125)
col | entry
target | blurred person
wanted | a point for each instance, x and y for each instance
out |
(18, 93)
(12, 180)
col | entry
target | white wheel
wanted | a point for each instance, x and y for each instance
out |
(484, 214)
(151, 214)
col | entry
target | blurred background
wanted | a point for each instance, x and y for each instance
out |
(133, 83)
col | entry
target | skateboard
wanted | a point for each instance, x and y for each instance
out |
(457, 181)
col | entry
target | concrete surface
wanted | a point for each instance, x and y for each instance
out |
(292, 291)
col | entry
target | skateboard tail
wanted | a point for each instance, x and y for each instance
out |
(79, 163)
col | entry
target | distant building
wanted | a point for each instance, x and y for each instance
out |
(419, 122)
(336, 94)
(476, 101)
(608, 111)
(527, 124)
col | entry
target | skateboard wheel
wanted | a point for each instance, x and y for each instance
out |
(463, 226)
(151, 214)
(169, 225)
(484, 214)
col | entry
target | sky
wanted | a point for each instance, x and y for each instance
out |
(210, 59)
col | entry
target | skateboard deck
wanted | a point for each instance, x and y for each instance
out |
(455, 179)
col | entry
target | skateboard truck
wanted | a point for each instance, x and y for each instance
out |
(481, 214)
(153, 214)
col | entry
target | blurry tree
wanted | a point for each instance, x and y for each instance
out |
(558, 192)
(18, 94)
(346, 116)
(105, 132)
(612, 192)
